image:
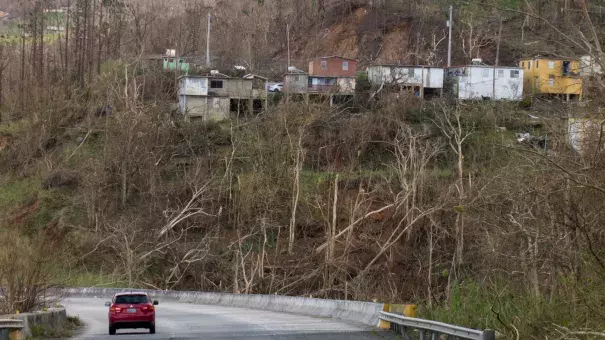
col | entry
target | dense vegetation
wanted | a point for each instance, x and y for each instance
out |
(390, 198)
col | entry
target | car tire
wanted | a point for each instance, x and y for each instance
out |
(152, 329)
(112, 330)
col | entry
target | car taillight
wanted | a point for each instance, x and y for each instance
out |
(114, 309)
(147, 308)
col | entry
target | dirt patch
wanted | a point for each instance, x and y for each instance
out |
(360, 34)
(24, 212)
(395, 47)
(4, 142)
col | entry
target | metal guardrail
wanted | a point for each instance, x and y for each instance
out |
(7, 326)
(433, 329)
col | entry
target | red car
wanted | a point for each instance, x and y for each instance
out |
(131, 310)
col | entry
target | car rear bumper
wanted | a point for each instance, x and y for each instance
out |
(131, 324)
(130, 321)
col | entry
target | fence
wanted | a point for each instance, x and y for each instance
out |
(426, 329)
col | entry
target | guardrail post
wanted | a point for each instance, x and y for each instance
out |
(10, 329)
(421, 334)
(434, 336)
(404, 332)
(488, 335)
(15, 334)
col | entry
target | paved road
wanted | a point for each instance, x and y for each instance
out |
(187, 321)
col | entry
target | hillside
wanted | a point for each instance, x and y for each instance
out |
(435, 201)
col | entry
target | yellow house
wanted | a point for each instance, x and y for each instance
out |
(551, 76)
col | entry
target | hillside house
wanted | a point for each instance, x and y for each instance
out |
(333, 75)
(328, 76)
(216, 96)
(296, 81)
(552, 76)
(172, 63)
(589, 67)
(424, 80)
(333, 67)
(479, 81)
(585, 134)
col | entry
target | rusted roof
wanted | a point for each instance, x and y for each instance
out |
(335, 56)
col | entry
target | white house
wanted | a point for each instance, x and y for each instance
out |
(196, 104)
(216, 96)
(589, 66)
(427, 79)
(480, 81)
(584, 134)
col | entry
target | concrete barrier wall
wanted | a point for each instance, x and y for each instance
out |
(52, 318)
(356, 311)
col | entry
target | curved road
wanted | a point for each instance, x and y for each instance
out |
(189, 321)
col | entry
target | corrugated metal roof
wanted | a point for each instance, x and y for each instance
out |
(397, 65)
(486, 66)
(335, 56)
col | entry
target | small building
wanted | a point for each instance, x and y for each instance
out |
(544, 75)
(421, 79)
(589, 67)
(479, 81)
(216, 96)
(259, 86)
(173, 63)
(585, 135)
(296, 81)
(332, 75)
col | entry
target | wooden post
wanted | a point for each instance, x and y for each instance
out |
(422, 83)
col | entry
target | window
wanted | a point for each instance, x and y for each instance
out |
(551, 80)
(216, 103)
(345, 65)
(485, 72)
(514, 73)
(529, 65)
(216, 84)
(411, 73)
(131, 299)
(324, 64)
(551, 65)
(566, 68)
(537, 63)
(500, 73)
(296, 78)
(523, 64)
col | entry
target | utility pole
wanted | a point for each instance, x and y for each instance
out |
(498, 44)
(449, 44)
(208, 42)
(288, 35)
(497, 58)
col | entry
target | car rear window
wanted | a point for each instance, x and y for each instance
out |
(131, 299)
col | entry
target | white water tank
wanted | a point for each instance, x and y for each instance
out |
(214, 72)
(476, 61)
